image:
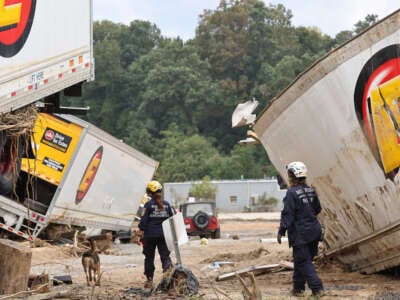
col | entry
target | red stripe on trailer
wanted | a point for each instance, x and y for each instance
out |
(13, 94)
(20, 233)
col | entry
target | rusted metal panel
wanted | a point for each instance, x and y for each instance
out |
(325, 119)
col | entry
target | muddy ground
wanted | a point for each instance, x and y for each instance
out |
(124, 269)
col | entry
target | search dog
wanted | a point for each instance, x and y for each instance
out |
(91, 264)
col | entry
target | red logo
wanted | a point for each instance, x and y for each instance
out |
(89, 175)
(377, 104)
(16, 17)
(49, 135)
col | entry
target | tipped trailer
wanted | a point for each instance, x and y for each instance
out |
(341, 117)
(57, 172)
(78, 177)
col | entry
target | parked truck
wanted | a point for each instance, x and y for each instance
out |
(341, 117)
(57, 172)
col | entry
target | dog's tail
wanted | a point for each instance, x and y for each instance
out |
(92, 245)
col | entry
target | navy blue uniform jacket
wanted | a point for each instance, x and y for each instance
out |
(299, 215)
(151, 221)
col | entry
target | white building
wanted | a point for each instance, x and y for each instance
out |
(232, 195)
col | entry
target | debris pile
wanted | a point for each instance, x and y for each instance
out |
(254, 254)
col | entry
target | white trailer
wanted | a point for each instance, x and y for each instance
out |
(341, 117)
(101, 184)
(45, 47)
(84, 177)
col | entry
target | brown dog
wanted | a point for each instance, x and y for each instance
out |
(91, 264)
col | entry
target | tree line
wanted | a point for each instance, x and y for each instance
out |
(173, 99)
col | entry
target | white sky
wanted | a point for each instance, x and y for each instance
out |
(180, 17)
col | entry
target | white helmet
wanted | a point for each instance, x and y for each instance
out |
(298, 169)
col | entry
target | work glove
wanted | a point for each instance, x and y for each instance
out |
(279, 238)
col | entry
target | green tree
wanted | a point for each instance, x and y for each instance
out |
(185, 158)
(138, 39)
(115, 47)
(247, 162)
(172, 85)
(361, 25)
(173, 100)
(205, 190)
(221, 38)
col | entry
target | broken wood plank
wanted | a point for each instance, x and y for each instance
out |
(286, 264)
(250, 292)
(15, 264)
(39, 283)
(67, 293)
(262, 268)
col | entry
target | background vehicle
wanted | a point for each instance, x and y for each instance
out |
(201, 219)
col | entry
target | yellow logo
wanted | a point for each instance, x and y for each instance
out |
(10, 15)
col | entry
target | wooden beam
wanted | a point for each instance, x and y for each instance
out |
(258, 269)
(15, 264)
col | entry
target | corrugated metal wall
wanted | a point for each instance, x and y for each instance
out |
(232, 195)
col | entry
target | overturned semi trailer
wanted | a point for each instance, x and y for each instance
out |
(342, 118)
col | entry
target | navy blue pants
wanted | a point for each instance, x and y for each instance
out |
(304, 270)
(149, 250)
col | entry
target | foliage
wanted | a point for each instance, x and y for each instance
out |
(186, 158)
(270, 201)
(359, 27)
(204, 190)
(364, 24)
(173, 100)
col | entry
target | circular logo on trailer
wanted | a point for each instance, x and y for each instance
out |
(49, 135)
(377, 104)
(89, 175)
(16, 18)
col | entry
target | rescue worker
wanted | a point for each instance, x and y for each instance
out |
(146, 198)
(299, 220)
(150, 230)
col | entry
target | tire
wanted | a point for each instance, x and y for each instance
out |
(217, 234)
(201, 220)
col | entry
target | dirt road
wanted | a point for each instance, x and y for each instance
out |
(124, 269)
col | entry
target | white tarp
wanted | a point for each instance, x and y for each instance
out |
(180, 230)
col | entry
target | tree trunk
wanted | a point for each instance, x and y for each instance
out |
(15, 265)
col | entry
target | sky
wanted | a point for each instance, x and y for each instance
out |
(180, 17)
